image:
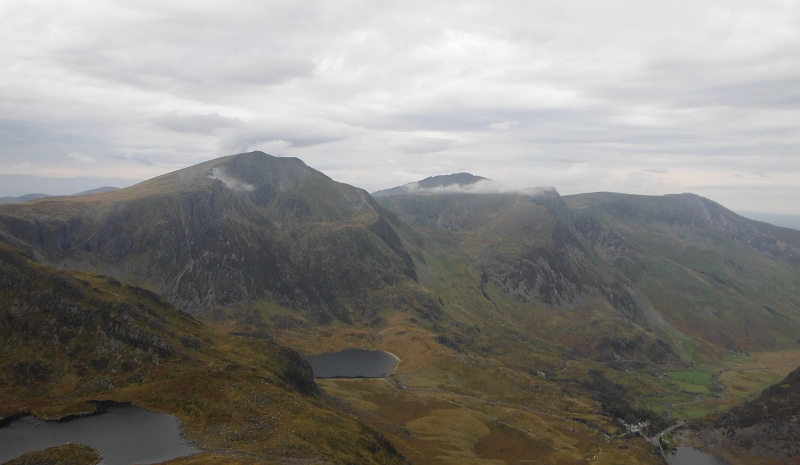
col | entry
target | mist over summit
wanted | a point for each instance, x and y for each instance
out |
(447, 183)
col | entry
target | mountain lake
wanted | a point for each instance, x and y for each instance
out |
(352, 363)
(686, 455)
(123, 434)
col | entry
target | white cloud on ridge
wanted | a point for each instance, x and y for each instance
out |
(234, 184)
(484, 186)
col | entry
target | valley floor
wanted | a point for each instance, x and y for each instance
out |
(445, 407)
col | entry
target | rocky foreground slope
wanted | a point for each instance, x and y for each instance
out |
(70, 338)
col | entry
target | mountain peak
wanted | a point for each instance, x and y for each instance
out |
(445, 180)
(451, 183)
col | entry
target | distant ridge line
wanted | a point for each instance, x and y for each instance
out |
(433, 182)
(29, 197)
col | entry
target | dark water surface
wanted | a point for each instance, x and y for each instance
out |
(124, 434)
(686, 455)
(352, 363)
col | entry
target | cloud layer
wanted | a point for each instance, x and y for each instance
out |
(700, 96)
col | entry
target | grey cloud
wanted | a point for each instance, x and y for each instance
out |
(188, 74)
(136, 158)
(262, 70)
(759, 93)
(780, 190)
(503, 125)
(762, 81)
(200, 124)
(412, 144)
(463, 118)
(297, 133)
(599, 91)
(48, 140)
(196, 51)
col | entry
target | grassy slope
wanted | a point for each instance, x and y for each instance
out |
(68, 338)
(703, 277)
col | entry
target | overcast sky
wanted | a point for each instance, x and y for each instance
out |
(628, 96)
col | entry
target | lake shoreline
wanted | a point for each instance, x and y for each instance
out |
(123, 433)
(353, 363)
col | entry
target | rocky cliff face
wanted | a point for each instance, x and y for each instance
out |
(530, 248)
(521, 243)
(229, 231)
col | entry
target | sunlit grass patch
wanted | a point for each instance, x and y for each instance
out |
(512, 446)
(694, 410)
(693, 381)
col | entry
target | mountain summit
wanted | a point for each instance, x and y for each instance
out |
(233, 230)
(453, 183)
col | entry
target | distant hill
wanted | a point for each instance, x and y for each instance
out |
(786, 221)
(15, 185)
(98, 190)
(23, 198)
(27, 197)
(442, 183)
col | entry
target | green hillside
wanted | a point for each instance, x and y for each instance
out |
(727, 282)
